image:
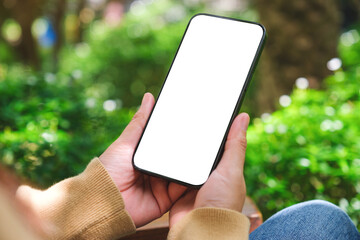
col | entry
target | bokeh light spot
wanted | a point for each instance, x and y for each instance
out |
(302, 83)
(11, 31)
(334, 64)
(87, 15)
(330, 111)
(39, 27)
(285, 100)
(304, 162)
(82, 50)
(109, 105)
(350, 37)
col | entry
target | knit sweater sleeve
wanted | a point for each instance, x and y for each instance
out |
(211, 224)
(88, 206)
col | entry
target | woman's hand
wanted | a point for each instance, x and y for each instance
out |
(146, 198)
(225, 187)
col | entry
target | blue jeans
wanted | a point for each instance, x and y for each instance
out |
(315, 219)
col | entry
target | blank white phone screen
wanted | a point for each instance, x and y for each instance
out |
(193, 111)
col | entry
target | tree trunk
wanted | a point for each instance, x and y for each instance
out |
(302, 37)
(58, 19)
(25, 12)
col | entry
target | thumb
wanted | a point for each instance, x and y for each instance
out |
(135, 128)
(235, 146)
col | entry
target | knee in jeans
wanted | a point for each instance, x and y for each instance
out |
(327, 211)
(323, 206)
(316, 219)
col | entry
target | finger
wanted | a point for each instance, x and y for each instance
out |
(182, 207)
(160, 193)
(175, 191)
(235, 146)
(134, 129)
(239, 126)
(166, 193)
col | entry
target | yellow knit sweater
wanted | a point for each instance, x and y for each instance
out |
(89, 206)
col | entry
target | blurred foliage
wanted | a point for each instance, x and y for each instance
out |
(52, 124)
(311, 148)
(49, 130)
(6, 54)
(127, 61)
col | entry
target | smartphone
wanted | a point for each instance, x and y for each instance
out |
(185, 135)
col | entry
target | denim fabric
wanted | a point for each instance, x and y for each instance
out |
(315, 219)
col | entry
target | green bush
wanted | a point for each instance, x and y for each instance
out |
(49, 129)
(126, 61)
(311, 148)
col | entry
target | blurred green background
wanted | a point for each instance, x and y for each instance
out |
(72, 74)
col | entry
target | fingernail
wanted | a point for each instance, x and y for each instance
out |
(244, 122)
(145, 101)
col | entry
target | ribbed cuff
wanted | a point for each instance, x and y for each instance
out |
(88, 206)
(211, 223)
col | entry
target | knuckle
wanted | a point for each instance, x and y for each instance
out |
(239, 142)
(139, 117)
(243, 143)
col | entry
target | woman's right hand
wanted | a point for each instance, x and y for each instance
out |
(225, 187)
